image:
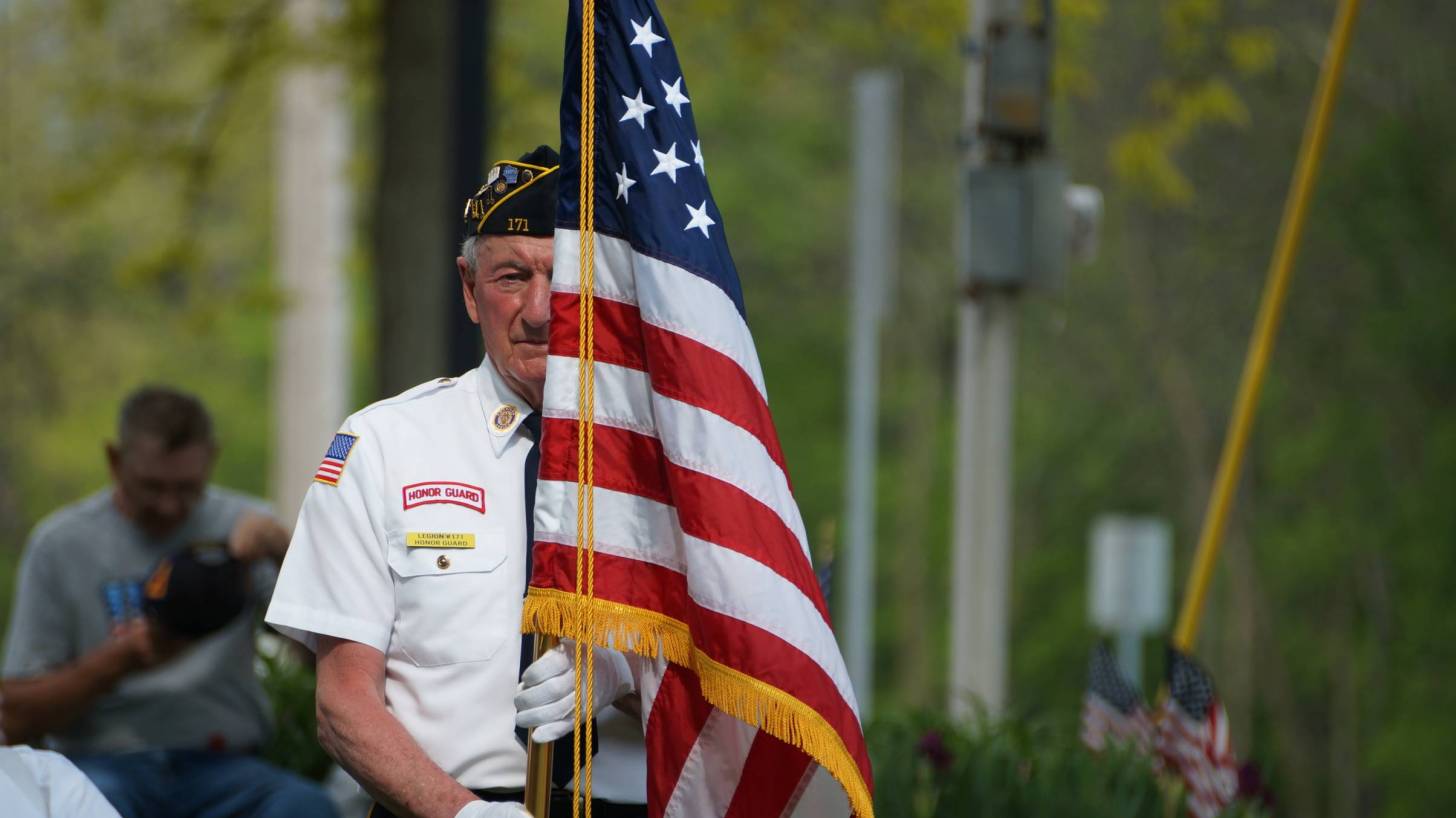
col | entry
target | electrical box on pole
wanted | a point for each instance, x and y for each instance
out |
(1017, 225)
(1018, 82)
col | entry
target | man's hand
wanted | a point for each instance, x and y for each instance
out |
(144, 644)
(257, 536)
(546, 697)
(31, 707)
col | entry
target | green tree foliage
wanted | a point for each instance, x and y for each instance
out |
(135, 221)
(132, 232)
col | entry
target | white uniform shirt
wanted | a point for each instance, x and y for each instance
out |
(418, 550)
(45, 784)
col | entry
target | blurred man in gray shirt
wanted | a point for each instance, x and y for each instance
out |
(164, 721)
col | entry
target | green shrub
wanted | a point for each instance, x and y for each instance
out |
(289, 685)
(928, 766)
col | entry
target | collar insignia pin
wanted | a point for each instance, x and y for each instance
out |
(503, 418)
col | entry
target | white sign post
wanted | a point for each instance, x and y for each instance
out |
(1128, 585)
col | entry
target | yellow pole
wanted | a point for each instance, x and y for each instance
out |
(538, 756)
(1271, 308)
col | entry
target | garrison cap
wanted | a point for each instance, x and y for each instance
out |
(518, 197)
(197, 589)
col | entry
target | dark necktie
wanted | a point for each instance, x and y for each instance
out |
(561, 758)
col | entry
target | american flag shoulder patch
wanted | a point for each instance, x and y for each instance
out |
(332, 468)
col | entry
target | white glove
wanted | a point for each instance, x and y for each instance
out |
(546, 696)
(493, 809)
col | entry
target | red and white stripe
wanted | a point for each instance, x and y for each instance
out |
(330, 470)
(1199, 750)
(695, 519)
(1103, 723)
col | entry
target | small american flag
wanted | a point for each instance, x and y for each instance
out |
(1193, 737)
(700, 551)
(1112, 709)
(332, 467)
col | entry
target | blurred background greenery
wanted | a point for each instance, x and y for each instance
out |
(135, 245)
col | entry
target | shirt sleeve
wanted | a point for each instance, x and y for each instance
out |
(335, 579)
(67, 790)
(41, 634)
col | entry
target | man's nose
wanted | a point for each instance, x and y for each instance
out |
(537, 309)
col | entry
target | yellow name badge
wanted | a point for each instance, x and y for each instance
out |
(437, 539)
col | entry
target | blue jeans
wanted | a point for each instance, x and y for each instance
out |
(202, 784)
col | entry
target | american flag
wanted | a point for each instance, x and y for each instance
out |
(332, 467)
(1193, 737)
(1112, 709)
(700, 551)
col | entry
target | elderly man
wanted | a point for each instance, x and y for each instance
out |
(162, 713)
(408, 566)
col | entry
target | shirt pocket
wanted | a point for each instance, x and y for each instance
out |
(454, 605)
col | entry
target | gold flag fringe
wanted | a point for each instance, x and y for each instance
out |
(651, 634)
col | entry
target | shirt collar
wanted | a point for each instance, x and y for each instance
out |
(500, 407)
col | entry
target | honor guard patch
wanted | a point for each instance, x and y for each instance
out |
(441, 491)
(332, 468)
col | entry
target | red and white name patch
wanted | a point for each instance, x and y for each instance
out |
(459, 494)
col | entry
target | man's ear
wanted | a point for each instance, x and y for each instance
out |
(467, 288)
(113, 459)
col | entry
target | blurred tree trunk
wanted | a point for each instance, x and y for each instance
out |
(412, 222)
(431, 141)
(313, 237)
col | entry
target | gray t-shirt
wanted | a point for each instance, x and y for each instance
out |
(81, 573)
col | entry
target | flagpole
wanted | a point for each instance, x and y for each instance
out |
(539, 756)
(1271, 310)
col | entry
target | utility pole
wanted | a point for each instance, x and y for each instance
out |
(313, 231)
(876, 187)
(1011, 235)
